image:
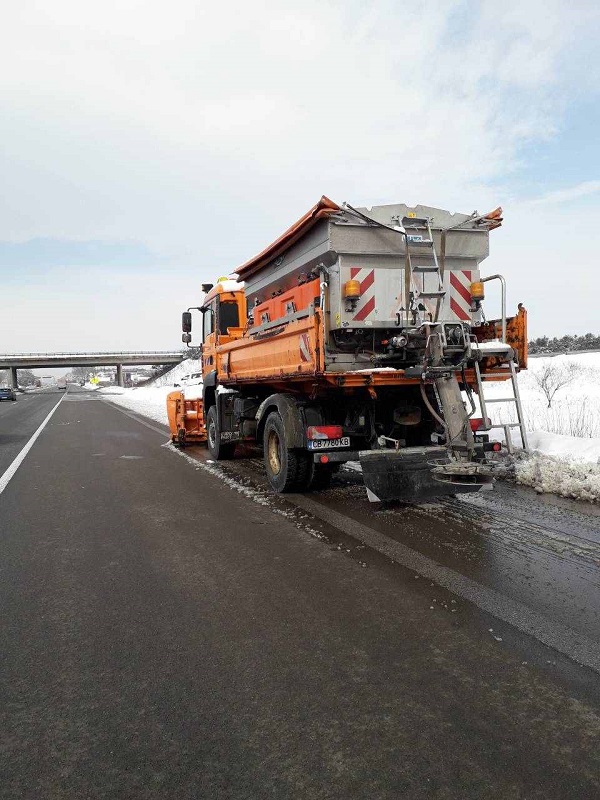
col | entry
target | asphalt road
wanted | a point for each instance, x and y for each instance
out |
(169, 630)
(19, 419)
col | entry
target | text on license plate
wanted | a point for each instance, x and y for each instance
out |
(328, 444)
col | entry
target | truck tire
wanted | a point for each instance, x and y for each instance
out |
(287, 470)
(218, 450)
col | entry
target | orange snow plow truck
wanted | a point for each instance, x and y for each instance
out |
(359, 335)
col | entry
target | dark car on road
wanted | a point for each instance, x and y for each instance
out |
(7, 394)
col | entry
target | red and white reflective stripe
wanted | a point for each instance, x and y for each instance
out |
(305, 347)
(366, 304)
(460, 293)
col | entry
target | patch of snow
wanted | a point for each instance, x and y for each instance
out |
(562, 446)
(193, 392)
(187, 367)
(149, 401)
(560, 476)
(231, 285)
(374, 369)
(111, 390)
(495, 346)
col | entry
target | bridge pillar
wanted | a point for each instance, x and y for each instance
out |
(13, 377)
(120, 375)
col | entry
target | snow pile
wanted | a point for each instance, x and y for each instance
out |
(569, 447)
(111, 390)
(564, 438)
(559, 476)
(188, 366)
(151, 400)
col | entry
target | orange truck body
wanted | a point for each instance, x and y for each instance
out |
(290, 334)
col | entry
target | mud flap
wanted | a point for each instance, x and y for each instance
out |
(406, 475)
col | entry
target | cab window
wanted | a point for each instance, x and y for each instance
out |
(208, 321)
(228, 316)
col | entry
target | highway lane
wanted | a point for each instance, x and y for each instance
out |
(170, 631)
(20, 419)
(541, 554)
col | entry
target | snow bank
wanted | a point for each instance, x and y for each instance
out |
(151, 400)
(185, 367)
(564, 438)
(559, 476)
(566, 447)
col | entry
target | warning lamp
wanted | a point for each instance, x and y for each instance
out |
(477, 292)
(351, 294)
(496, 447)
(352, 290)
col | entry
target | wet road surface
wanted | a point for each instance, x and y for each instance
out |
(20, 419)
(541, 552)
(170, 629)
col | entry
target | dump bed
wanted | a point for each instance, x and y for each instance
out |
(351, 249)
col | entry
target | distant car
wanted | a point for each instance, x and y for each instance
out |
(7, 394)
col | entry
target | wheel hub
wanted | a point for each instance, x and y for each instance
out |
(273, 453)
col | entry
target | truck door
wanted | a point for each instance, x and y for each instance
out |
(209, 337)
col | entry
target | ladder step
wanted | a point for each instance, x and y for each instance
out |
(504, 425)
(432, 294)
(427, 268)
(501, 400)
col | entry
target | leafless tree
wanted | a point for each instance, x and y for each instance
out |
(552, 377)
(80, 374)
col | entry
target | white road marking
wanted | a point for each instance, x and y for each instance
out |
(5, 479)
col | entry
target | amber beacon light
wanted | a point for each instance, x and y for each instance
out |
(477, 292)
(352, 290)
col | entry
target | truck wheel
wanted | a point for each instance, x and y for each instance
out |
(287, 470)
(218, 450)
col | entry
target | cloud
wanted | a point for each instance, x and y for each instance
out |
(201, 130)
(131, 120)
(583, 189)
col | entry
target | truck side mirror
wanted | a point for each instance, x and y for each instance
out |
(186, 322)
(186, 338)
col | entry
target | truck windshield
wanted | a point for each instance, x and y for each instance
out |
(228, 316)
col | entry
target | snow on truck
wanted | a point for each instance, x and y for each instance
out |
(359, 335)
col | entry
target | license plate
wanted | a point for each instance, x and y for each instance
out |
(328, 444)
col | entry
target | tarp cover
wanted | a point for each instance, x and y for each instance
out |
(324, 208)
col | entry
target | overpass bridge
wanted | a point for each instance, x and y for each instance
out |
(16, 361)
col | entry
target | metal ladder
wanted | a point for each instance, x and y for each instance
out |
(418, 241)
(516, 399)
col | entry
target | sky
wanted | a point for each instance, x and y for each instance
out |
(146, 148)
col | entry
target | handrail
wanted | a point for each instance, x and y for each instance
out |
(503, 300)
